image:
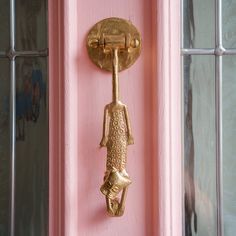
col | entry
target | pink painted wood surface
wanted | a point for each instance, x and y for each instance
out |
(169, 118)
(88, 90)
(78, 94)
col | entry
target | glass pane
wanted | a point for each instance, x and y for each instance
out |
(31, 147)
(31, 24)
(199, 23)
(4, 147)
(229, 147)
(4, 25)
(199, 146)
(229, 21)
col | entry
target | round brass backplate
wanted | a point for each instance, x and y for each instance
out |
(109, 33)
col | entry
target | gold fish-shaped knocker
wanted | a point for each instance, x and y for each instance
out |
(114, 44)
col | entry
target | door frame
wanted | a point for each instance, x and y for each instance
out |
(56, 117)
(168, 161)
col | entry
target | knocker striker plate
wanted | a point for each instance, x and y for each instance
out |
(102, 37)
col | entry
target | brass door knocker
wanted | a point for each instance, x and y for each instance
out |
(114, 44)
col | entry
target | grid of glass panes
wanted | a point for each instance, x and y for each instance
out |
(23, 118)
(209, 116)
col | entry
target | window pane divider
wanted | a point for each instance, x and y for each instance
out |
(12, 118)
(3, 54)
(219, 161)
(11, 54)
(218, 104)
(218, 52)
(198, 51)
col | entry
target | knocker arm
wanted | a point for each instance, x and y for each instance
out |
(130, 137)
(105, 128)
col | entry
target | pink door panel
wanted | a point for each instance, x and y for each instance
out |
(81, 90)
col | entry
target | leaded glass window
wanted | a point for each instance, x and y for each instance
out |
(209, 116)
(23, 118)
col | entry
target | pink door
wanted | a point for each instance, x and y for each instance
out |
(79, 92)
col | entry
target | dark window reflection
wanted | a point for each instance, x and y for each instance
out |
(31, 24)
(4, 147)
(31, 147)
(4, 24)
